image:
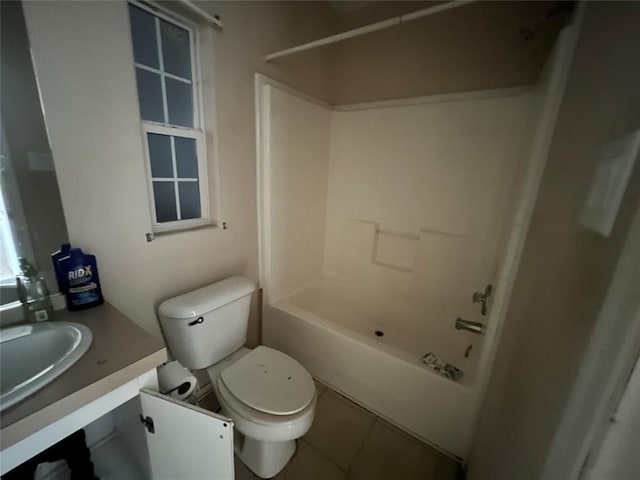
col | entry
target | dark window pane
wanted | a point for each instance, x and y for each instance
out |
(160, 155)
(164, 197)
(180, 103)
(143, 34)
(189, 193)
(186, 158)
(150, 95)
(175, 49)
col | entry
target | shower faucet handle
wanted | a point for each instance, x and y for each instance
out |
(473, 327)
(483, 298)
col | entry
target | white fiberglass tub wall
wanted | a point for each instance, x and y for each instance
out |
(344, 304)
(386, 219)
(295, 139)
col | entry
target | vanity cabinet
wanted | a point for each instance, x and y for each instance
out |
(145, 435)
(185, 441)
(112, 392)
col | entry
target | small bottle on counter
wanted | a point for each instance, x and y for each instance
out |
(33, 293)
(81, 283)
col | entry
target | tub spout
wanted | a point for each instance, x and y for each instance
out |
(473, 327)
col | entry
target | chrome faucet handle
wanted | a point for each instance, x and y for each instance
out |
(473, 327)
(483, 298)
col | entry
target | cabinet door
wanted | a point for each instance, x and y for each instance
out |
(186, 441)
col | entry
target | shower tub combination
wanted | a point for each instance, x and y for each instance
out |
(335, 337)
(378, 223)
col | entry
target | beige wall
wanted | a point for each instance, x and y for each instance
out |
(473, 47)
(565, 270)
(83, 57)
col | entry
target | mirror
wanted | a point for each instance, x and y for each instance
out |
(32, 223)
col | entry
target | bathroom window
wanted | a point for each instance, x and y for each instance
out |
(170, 101)
(9, 267)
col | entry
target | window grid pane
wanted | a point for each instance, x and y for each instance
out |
(170, 59)
(189, 196)
(187, 162)
(174, 174)
(160, 156)
(164, 199)
(179, 101)
(143, 35)
(176, 49)
(150, 95)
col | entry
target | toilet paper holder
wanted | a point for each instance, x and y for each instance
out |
(182, 389)
(175, 380)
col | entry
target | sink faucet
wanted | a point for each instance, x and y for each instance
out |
(473, 327)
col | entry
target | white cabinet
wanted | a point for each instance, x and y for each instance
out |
(185, 441)
(147, 436)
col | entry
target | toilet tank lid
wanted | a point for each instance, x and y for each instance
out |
(206, 299)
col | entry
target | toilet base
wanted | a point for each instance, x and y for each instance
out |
(265, 459)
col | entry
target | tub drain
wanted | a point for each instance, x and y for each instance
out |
(379, 333)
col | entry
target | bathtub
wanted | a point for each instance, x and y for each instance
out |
(347, 342)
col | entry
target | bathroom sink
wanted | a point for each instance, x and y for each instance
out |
(33, 355)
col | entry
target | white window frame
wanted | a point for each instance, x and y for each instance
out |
(197, 132)
(148, 127)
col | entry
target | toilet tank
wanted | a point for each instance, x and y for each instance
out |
(204, 326)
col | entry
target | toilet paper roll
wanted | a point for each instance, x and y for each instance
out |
(175, 380)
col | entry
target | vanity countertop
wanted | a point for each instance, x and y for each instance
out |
(120, 352)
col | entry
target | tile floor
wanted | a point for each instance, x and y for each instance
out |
(346, 442)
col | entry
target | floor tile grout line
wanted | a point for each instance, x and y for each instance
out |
(374, 418)
(322, 454)
(411, 436)
(364, 440)
(439, 455)
(351, 404)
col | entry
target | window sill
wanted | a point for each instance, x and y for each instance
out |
(173, 231)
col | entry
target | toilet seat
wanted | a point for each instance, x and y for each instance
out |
(235, 408)
(270, 382)
(260, 425)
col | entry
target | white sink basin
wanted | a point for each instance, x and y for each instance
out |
(33, 355)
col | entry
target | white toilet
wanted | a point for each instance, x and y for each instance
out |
(269, 396)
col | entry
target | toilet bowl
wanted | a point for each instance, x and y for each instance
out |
(271, 400)
(268, 395)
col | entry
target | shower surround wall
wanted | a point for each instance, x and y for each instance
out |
(415, 208)
(298, 144)
(386, 219)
